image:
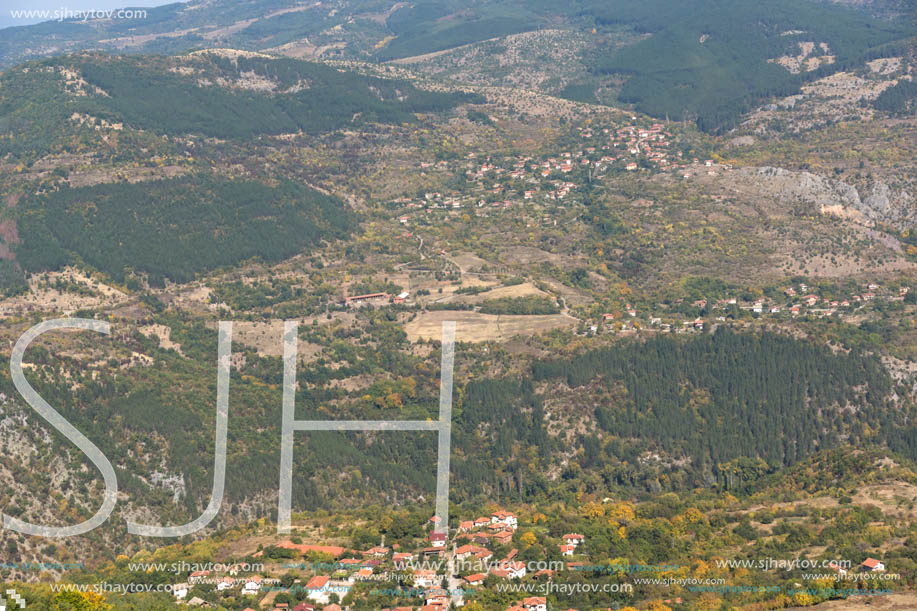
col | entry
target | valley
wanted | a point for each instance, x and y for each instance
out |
(686, 322)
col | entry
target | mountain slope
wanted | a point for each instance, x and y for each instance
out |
(718, 58)
(710, 60)
(218, 94)
(175, 228)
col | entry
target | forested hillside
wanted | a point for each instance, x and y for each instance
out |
(728, 395)
(175, 228)
(709, 59)
(236, 96)
(685, 310)
(739, 405)
(901, 99)
(296, 95)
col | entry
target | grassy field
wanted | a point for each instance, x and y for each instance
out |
(476, 327)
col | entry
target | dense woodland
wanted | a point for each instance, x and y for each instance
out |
(124, 228)
(672, 74)
(443, 24)
(724, 396)
(149, 93)
(899, 99)
(310, 97)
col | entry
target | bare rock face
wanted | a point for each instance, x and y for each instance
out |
(885, 206)
(881, 205)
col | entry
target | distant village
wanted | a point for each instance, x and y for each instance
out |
(799, 300)
(516, 182)
(442, 574)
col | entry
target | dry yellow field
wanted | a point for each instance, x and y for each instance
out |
(477, 327)
(903, 601)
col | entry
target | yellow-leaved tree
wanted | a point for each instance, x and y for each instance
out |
(79, 601)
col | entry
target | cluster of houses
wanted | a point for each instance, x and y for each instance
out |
(469, 548)
(473, 543)
(801, 298)
(246, 586)
(501, 183)
(798, 300)
(317, 588)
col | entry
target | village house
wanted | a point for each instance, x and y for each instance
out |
(424, 578)
(225, 584)
(317, 588)
(438, 539)
(872, 565)
(575, 566)
(506, 518)
(837, 568)
(252, 585)
(466, 551)
(535, 603)
(436, 597)
(509, 570)
(357, 300)
(475, 579)
(377, 552)
(544, 574)
(574, 539)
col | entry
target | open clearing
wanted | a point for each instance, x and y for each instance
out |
(525, 289)
(477, 327)
(267, 339)
(903, 601)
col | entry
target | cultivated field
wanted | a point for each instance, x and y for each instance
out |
(477, 327)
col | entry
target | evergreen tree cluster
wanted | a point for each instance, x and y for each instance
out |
(175, 228)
